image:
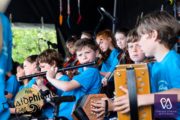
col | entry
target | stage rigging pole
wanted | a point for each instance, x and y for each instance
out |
(114, 15)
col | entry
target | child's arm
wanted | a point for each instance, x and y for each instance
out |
(122, 103)
(62, 85)
(12, 110)
(106, 75)
(103, 73)
(9, 95)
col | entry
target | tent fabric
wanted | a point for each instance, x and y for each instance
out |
(31, 11)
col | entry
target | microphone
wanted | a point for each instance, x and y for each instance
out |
(102, 17)
(53, 45)
(60, 99)
(49, 43)
(107, 14)
(99, 23)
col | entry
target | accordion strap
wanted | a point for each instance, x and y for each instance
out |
(106, 110)
(132, 93)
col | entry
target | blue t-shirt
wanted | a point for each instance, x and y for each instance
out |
(111, 62)
(165, 75)
(12, 86)
(90, 82)
(29, 85)
(48, 110)
(63, 78)
(5, 64)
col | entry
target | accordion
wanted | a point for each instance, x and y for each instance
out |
(136, 78)
(82, 109)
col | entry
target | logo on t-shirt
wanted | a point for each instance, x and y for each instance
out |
(162, 85)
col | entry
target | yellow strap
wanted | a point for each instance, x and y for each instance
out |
(1, 36)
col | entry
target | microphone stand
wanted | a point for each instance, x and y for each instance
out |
(114, 16)
(55, 105)
(53, 45)
(56, 101)
(98, 25)
(48, 43)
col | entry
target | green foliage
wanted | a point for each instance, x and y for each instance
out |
(29, 41)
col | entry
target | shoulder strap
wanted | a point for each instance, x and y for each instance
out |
(1, 35)
(131, 83)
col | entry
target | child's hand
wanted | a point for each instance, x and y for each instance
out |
(122, 103)
(39, 81)
(98, 107)
(104, 81)
(35, 87)
(51, 73)
(12, 110)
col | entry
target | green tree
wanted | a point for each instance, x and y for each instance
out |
(29, 41)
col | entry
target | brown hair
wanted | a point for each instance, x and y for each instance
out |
(132, 36)
(124, 31)
(164, 23)
(31, 58)
(85, 42)
(51, 57)
(72, 39)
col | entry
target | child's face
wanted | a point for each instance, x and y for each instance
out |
(44, 67)
(86, 55)
(135, 52)
(29, 68)
(147, 43)
(70, 47)
(20, 72)
(121, 40)
(103, 43)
